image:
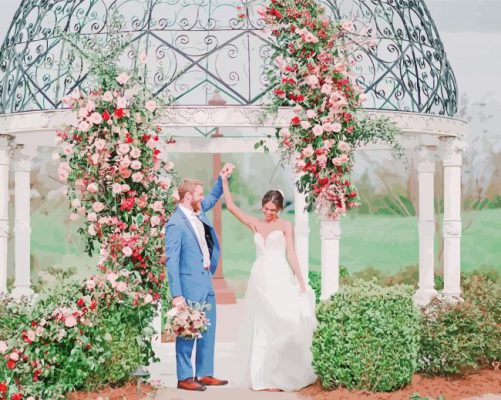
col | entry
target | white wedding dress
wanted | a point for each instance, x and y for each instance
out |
(274, 346)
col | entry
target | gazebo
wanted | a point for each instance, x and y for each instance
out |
(209, 63)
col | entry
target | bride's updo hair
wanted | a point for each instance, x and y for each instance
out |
(276, 197)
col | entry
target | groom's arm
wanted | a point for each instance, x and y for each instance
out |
(214, 195)
(173, 252)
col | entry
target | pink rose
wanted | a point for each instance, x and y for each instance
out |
(14, 356)
(107, 96)
(94, 158)
(83, 126)
(148, 299)
(135, 165)
(39, 331)
(135, 152)
(70, 321)
(322, 160)
(300, 165)
(347, 25)
(311, 80)
(100, 144)
(68, 149)
(125, 162)
(92, 217)
(123, 148)
(121, 102)
(96, 118)
(116, 188)
(157, 206)
(164, 182)
(31, 335)
(125, 188)
(336, 127)
(311, 113)
(137, 177)
(91, 230)
(121, 287)
(318, 130)
(308, 151)
(90, 284)
(155, 220)
(98, 206)
(63, 171)
(344, 147)
(3, 347)
(124, 172)
(150, 105)
(127, 251)
(112, 277)
(122, 78)
(137, 118)
(92, 188)
(326, 89)
(305, 124)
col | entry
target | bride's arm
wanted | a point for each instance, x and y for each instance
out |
(292, 256)
(232, 208)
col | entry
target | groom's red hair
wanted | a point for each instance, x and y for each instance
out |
(188, 186)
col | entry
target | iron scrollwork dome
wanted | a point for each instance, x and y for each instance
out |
(195, 47)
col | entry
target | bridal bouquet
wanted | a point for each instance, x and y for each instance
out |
(189, 322)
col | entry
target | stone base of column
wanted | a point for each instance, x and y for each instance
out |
(22, 291)
(423, 296)
(224, 294)
(453, 295)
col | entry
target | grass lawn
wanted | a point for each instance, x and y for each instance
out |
(382, 242)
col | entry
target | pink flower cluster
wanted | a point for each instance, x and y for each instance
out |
(314, 78)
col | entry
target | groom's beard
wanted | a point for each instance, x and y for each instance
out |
(196, 206)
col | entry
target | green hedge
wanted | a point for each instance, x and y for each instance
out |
(367, 338)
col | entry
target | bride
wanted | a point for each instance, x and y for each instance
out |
(274, 347)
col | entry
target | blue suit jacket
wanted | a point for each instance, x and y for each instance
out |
(187, 277)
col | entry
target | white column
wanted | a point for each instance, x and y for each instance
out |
(330, 233)
(452, 161)
(22, 228)
(426, 225)
(301, 231)
(5, 150)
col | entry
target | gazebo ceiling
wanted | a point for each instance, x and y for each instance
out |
(196, 47)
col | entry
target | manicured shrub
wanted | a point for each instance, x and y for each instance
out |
(367, 338)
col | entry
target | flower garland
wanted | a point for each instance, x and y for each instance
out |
(121, 188)
(311, 73)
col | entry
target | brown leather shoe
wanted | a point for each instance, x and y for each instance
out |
(190, 384)
(211, 381)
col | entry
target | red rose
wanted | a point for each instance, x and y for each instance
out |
(146, 137)
(3, 387)
(11, 364)
(300, 97)
(323, 181)
(106, 115)
(128, 138)
(127, 204)
(119, 113)
(80, 302)
(296, 121)
(17, 396)
(93, 305)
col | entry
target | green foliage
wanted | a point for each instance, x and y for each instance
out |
(456, 337)
(13, 314)
(314, 278)
(367, 338)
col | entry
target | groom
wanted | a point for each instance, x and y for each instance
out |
(192, 251)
